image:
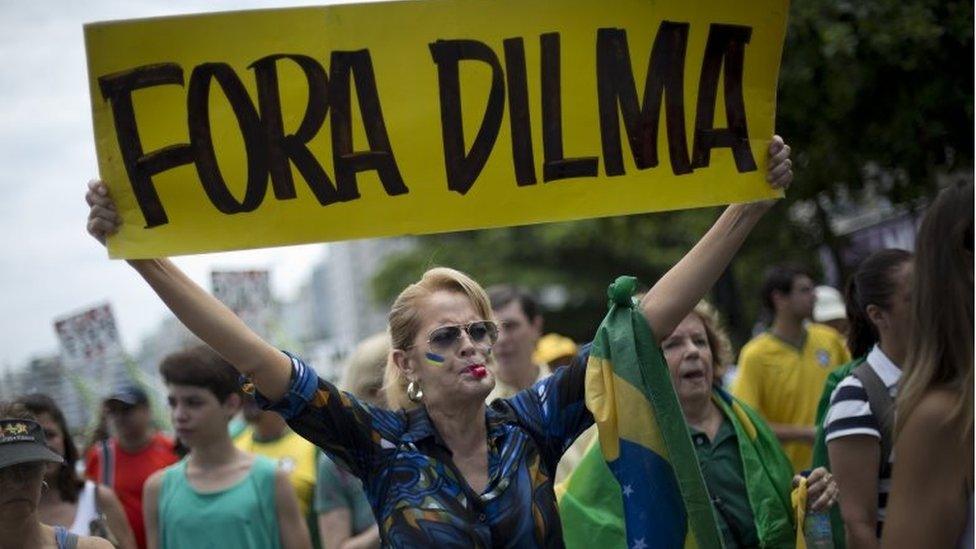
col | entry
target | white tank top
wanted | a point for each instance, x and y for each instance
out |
(87, 510)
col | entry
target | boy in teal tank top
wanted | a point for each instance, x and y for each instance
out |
(218, 496)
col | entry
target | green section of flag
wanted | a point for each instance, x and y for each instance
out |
(768, 472)
(592, 508)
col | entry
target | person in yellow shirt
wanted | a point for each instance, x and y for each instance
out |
(782, 371)
(268, 435)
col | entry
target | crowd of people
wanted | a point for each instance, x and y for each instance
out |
(463, 424)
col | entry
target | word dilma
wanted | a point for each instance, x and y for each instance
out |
(270, 151)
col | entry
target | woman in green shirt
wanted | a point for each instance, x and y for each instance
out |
(748, 476)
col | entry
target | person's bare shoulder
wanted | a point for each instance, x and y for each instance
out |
(91, 542)
(104, 494)
(929, 424)
(156, 478)
(283, 482)
(935, 406)
(153, 484)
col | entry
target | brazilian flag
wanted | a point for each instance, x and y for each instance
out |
(643, 438)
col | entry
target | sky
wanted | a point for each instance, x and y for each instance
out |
(49, 266)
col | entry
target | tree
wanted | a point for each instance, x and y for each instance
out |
(879, 95)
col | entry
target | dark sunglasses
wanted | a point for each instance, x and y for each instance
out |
(119, 409)
(448, 338)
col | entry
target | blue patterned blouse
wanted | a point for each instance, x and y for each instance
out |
(418, 496)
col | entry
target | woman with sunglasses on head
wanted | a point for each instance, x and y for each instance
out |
(24, 456)
(442, 469)
(82, 507)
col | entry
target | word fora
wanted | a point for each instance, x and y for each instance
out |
(269, 150)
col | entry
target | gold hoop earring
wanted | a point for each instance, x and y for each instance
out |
(414, 392)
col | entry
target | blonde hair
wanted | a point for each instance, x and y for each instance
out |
(363, 374)
(940, 347)
(718, 340)
(405, 322)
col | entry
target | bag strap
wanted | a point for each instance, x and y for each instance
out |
(108, 463)
(882, 406)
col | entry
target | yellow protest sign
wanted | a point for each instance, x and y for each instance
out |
(261, 128)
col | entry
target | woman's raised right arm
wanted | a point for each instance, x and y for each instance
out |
(203, 314)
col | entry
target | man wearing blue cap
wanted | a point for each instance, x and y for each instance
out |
(135, 452)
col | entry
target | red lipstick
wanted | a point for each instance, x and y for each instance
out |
(477, 370)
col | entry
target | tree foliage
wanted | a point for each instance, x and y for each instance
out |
(878, 89)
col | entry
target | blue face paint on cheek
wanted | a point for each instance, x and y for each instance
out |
(434, 359)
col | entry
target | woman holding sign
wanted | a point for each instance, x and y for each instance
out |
(443, 470)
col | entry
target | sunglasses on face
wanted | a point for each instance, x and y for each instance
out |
(119, 410)
(448, 338)
(20, 471)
